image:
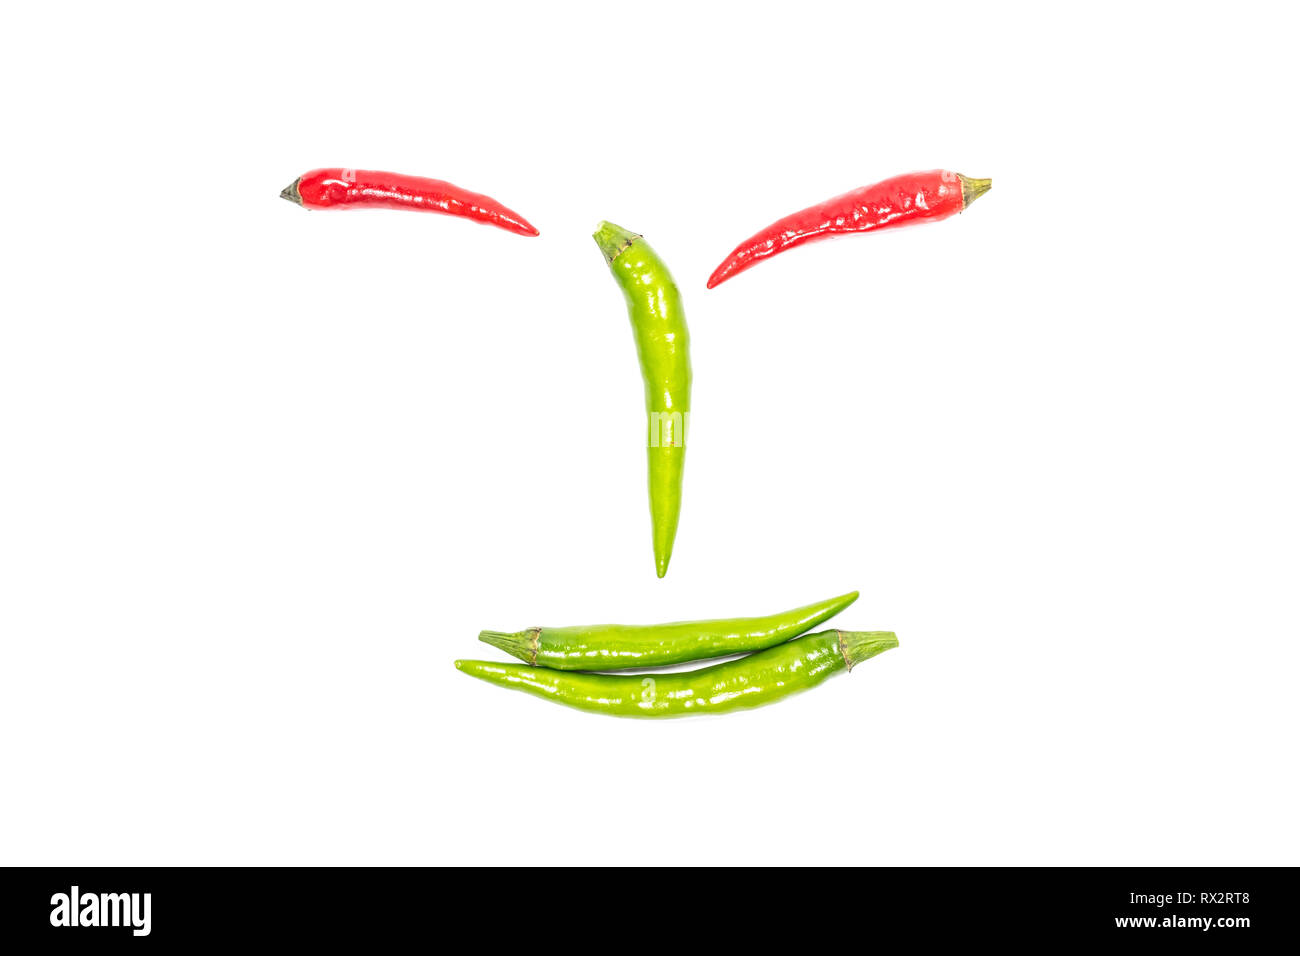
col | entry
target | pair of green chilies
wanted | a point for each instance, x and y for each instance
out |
(556, 661)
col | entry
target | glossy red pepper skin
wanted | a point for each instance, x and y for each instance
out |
(933, 195)
(368, 188)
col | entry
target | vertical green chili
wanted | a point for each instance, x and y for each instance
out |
(663, 347)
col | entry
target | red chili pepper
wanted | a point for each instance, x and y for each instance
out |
(936, 194)
(366, 188)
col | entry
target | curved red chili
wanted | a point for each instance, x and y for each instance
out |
(368, 188)
(914, 197)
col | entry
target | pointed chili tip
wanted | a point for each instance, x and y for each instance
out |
(290, 192)
(664, 535)
(518, 225)
(612, 240)
(972, 189)
(722, 273)
(460, 665)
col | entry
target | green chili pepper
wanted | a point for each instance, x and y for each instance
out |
(610, 647)
(747, 682)
(663, 346)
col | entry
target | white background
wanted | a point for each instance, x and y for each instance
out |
(266, 473)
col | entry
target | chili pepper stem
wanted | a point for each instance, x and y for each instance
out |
(290, 192)
(972, 189)
(612, 240)
(858, 646)
(522, 644)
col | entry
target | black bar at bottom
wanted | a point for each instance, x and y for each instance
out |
(640, 908)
